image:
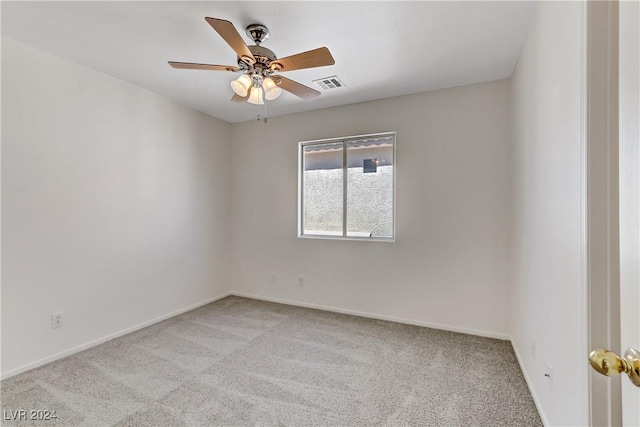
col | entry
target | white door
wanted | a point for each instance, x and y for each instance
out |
(629, 116)
(613, 69)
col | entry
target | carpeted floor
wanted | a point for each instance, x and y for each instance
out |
(240, 362)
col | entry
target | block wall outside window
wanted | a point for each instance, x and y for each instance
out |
(347, 188)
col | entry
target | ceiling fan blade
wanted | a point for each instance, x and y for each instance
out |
(296, 88)
(238, 98)
(192, 66)
(229, 33)
(313, 58)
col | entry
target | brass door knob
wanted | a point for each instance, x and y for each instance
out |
(611, 365)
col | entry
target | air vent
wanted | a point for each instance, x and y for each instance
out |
(327, 83)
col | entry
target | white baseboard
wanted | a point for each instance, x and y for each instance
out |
(528, 380)
(375, 316)
(99, 341)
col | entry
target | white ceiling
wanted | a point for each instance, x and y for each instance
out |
(381, 49)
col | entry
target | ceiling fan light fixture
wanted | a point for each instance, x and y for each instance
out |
(241, 85)
(271, 90)
(255, 96)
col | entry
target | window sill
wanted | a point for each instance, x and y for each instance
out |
(361, 239)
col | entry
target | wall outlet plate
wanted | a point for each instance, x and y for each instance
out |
(56, 320)
(300, 281)
(274, 278)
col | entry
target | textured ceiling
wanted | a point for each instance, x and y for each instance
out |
(381, 49)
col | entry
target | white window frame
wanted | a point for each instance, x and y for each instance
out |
(344, 141)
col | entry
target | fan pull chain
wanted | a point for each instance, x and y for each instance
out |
(265, 112)
(264, 119)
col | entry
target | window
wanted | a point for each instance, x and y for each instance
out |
(346, 188)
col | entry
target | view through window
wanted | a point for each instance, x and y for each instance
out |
(347, 187)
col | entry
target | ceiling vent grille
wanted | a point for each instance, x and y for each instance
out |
(328, 83)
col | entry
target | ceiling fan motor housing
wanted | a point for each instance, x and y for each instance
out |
(262, 54)
(263, 58)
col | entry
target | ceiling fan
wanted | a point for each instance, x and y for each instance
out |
(258, 65)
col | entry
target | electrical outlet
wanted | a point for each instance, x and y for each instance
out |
(274, 278)
(56, 320)
(300, 281)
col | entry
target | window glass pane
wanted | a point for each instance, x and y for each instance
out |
(370, 187)
(322, 189)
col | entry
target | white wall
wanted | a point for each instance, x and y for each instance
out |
(449, 263)
(547, 295)
(115, 205)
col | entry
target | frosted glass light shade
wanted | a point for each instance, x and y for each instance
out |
(241, 85)
(255, 96)
(271, 90)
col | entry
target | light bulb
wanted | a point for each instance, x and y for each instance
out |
(241, 85)
(271, 90)
(255, 96)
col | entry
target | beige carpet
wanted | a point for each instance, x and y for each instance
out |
(240, 362)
